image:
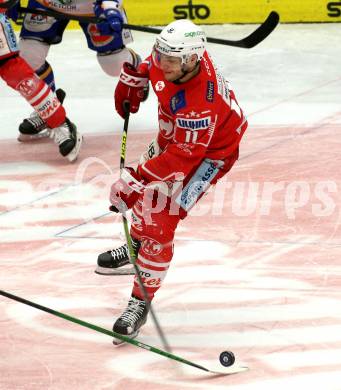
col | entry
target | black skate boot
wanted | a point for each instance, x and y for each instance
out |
(131, 320)
(68, 139)
(34, 127)
(110, 262)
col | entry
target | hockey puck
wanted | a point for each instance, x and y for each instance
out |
(227, 358)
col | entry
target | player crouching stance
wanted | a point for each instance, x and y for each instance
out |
(15, 71)
(200, 128)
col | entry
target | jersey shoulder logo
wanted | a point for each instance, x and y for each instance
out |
(159, 86)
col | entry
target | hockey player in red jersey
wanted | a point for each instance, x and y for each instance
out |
(200, 128)
(15, 71)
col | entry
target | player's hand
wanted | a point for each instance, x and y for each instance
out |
(125, 191)
(130, 89)
(110, 15)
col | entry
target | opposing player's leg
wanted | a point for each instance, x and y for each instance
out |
(68, 139)
(35, 52)
(34, 127)
(36, 36)
(111, 49)
(20, 76)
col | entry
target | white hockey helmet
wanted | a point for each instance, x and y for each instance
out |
(181, 38)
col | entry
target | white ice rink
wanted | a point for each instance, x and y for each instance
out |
(263, 281)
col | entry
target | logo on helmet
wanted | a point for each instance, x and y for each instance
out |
(194, 33)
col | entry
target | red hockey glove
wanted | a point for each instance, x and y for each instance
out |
(130, 89)
(125, 191)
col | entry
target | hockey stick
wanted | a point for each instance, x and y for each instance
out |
(131, 251)
(248, 42)
(227, 371)
(255, 37)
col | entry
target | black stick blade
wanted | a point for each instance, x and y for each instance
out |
(255, 37)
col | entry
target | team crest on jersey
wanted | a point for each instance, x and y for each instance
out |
(193, 124)
(159, 86)
(178, 101)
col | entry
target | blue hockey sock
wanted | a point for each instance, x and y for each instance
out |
(45, 73)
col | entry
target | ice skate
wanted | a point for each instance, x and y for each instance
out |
(34, 128)
(134, 316)
(68, 139)
(113, 262)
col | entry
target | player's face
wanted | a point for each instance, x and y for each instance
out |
(170, 66)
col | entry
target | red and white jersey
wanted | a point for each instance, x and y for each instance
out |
(198, 119)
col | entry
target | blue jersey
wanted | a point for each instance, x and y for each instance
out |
(50, 30)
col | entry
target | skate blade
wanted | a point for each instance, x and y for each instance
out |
(118, 342)
(33, 137)
(72, 156)
(114, 271)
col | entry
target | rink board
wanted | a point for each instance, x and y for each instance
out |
(221, 11)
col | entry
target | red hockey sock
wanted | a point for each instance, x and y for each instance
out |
(20, 76)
